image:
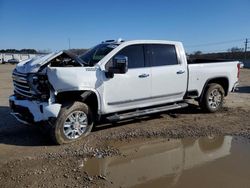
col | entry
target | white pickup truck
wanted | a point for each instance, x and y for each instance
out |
(115, 80)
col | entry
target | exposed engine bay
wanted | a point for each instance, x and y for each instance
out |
(36, 85)
(66, 59)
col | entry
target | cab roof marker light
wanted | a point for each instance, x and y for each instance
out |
(120, 40)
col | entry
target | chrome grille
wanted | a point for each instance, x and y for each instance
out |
(21, 85)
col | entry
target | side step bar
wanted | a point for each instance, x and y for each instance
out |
(143, 112)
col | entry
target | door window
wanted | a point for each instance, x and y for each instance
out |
(135, 56)
(161, 54)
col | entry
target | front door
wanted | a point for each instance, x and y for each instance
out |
(129, 90)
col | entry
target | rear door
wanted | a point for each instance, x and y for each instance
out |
(169, 75)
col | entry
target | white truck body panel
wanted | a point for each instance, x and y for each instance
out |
(199, 74)
(137, 91)
(76, 79)
(171, 80)
(167, 85)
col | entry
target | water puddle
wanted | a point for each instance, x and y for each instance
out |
(204, 162)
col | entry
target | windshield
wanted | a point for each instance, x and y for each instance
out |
(94, 55)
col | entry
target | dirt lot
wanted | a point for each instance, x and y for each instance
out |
(28, 159)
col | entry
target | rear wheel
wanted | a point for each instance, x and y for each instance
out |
(213, 98)
(73, 122)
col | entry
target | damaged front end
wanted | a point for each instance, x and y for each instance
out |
(33, 100)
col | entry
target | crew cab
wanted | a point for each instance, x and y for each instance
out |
(115, 80)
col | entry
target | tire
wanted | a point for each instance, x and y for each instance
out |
(73, 123)
(213, 98)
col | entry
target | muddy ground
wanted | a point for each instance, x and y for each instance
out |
(28, 158)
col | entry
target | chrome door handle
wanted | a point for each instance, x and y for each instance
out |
(143, 75)
(180, 72)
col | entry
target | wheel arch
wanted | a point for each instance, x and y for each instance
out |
(223, 81)
(88, 96)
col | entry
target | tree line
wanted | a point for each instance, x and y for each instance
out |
(234, 53)
(22, 51)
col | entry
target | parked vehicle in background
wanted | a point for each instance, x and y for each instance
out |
(13, 61)
(115, 80)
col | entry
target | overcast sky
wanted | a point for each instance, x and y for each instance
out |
(212, 25)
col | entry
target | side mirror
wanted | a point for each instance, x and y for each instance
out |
(120, 65)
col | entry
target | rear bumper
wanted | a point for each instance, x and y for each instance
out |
(235, 87)
(28, 112)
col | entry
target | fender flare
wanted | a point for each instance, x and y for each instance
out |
(207, 82)
(84, 95)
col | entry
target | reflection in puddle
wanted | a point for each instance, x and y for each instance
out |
(204, 162)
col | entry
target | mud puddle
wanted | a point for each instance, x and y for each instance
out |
(204, 162)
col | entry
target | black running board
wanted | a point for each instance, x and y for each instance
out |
(143, 112)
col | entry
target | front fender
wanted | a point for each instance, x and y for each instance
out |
(76, 79)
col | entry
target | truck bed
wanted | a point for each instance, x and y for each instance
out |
(201, 71)
(196, 61)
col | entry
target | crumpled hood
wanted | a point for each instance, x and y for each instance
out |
(33, 65)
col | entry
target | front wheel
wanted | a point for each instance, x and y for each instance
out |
(73, 122)
(213, 98)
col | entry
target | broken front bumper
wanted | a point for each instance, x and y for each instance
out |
(27, 112)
